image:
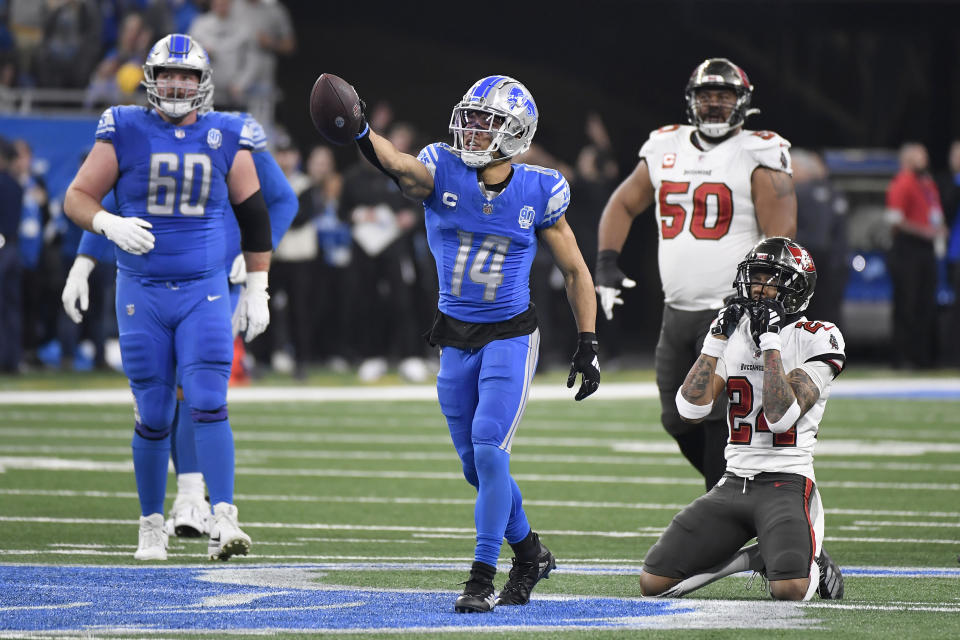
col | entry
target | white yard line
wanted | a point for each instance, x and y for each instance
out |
(62, 464)
(258, 455)
(540, 391)
(571, 504)
(640, 532)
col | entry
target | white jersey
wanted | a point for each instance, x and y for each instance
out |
(705, 210)
(817, 348)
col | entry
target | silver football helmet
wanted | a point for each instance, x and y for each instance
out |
(501, 107)
(178, 51)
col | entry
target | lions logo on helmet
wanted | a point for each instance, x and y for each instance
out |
(178, 51)
(719, 73)
(508, 113)
(790, 269)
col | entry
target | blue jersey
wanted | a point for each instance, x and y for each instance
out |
(277, 192)
(484, 247)
(176, 178)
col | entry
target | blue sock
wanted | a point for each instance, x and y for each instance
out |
(151, 459)
(494, 501)
(214, 451)
(185, 446)
(517, 525)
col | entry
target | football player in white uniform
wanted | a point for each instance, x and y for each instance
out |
(718, 189)
(775, 367)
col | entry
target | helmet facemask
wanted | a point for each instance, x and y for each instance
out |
(468, 124)
(718, 73)
(499, 107)
(782, 264)
(177, 52)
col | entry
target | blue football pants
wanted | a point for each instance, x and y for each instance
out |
(483, 393)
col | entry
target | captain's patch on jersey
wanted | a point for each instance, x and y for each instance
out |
(450, 199)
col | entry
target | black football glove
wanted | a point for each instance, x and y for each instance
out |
(766, 316)
(609, 280)
(586, 363)
(728, 318)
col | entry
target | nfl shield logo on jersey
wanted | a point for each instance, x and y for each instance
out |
(130, 309)
(526, 217)
(214, 138)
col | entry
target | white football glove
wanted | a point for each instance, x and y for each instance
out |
(253, 311)
(610, 296)
(237, 319)
(77, 289)
(130, 234)
(238, 271)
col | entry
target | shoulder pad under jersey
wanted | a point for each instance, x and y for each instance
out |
(768, 149)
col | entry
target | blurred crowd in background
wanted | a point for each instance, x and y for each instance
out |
(352, 284)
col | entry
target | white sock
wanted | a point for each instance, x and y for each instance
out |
(744, 560)
(814, 580)
(190, 486)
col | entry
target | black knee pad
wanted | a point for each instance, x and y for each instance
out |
(150, 433)
(788, 564)
(206, 416)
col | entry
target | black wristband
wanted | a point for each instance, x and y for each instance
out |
(587, 337)
(608, 257)
(366, 148)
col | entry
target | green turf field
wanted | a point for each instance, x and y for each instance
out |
(372, 493)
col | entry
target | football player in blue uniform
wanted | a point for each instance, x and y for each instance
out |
(178, 173)
(190, 512)
(484, 215)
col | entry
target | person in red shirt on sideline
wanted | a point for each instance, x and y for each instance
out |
(913, 208)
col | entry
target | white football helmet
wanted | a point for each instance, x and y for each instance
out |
(507, 112)
(178, 51)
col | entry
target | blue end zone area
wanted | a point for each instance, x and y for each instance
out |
(49, 598)
(258, 599)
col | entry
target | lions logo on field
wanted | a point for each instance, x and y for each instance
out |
(526, 217)
(214, 138)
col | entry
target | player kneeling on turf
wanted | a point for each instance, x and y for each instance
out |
(776, 368)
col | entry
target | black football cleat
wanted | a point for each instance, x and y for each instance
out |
(524, 576)
(478, 592)
(831, 580)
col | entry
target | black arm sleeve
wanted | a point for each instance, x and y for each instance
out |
(254, 221)
(366, 148)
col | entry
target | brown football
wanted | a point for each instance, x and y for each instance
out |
(335, 109)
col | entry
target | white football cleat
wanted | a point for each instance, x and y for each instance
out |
(152, 544)
(226, 537)
(189, 518)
